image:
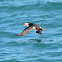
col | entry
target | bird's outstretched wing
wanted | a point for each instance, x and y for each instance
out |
(25, 31)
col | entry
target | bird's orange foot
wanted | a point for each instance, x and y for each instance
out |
(36, 29)
(43, 29)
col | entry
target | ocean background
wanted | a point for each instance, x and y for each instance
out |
(31, 47)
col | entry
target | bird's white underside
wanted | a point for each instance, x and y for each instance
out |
(34, 28)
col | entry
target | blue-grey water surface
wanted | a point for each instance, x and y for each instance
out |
(31, 47)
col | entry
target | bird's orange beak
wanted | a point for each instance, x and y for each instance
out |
(24, 24)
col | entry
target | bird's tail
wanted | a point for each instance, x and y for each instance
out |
(39, 32)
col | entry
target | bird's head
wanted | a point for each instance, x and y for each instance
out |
(26, 24)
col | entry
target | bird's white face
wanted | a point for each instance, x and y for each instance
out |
(26, 24)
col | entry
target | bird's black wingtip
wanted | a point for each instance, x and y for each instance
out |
(19, 35)
(16, 35)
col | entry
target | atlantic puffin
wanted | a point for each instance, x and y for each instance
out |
(30, 26)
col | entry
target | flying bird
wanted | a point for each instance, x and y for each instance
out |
(30, 26)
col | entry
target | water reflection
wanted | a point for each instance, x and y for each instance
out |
(35, 40)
